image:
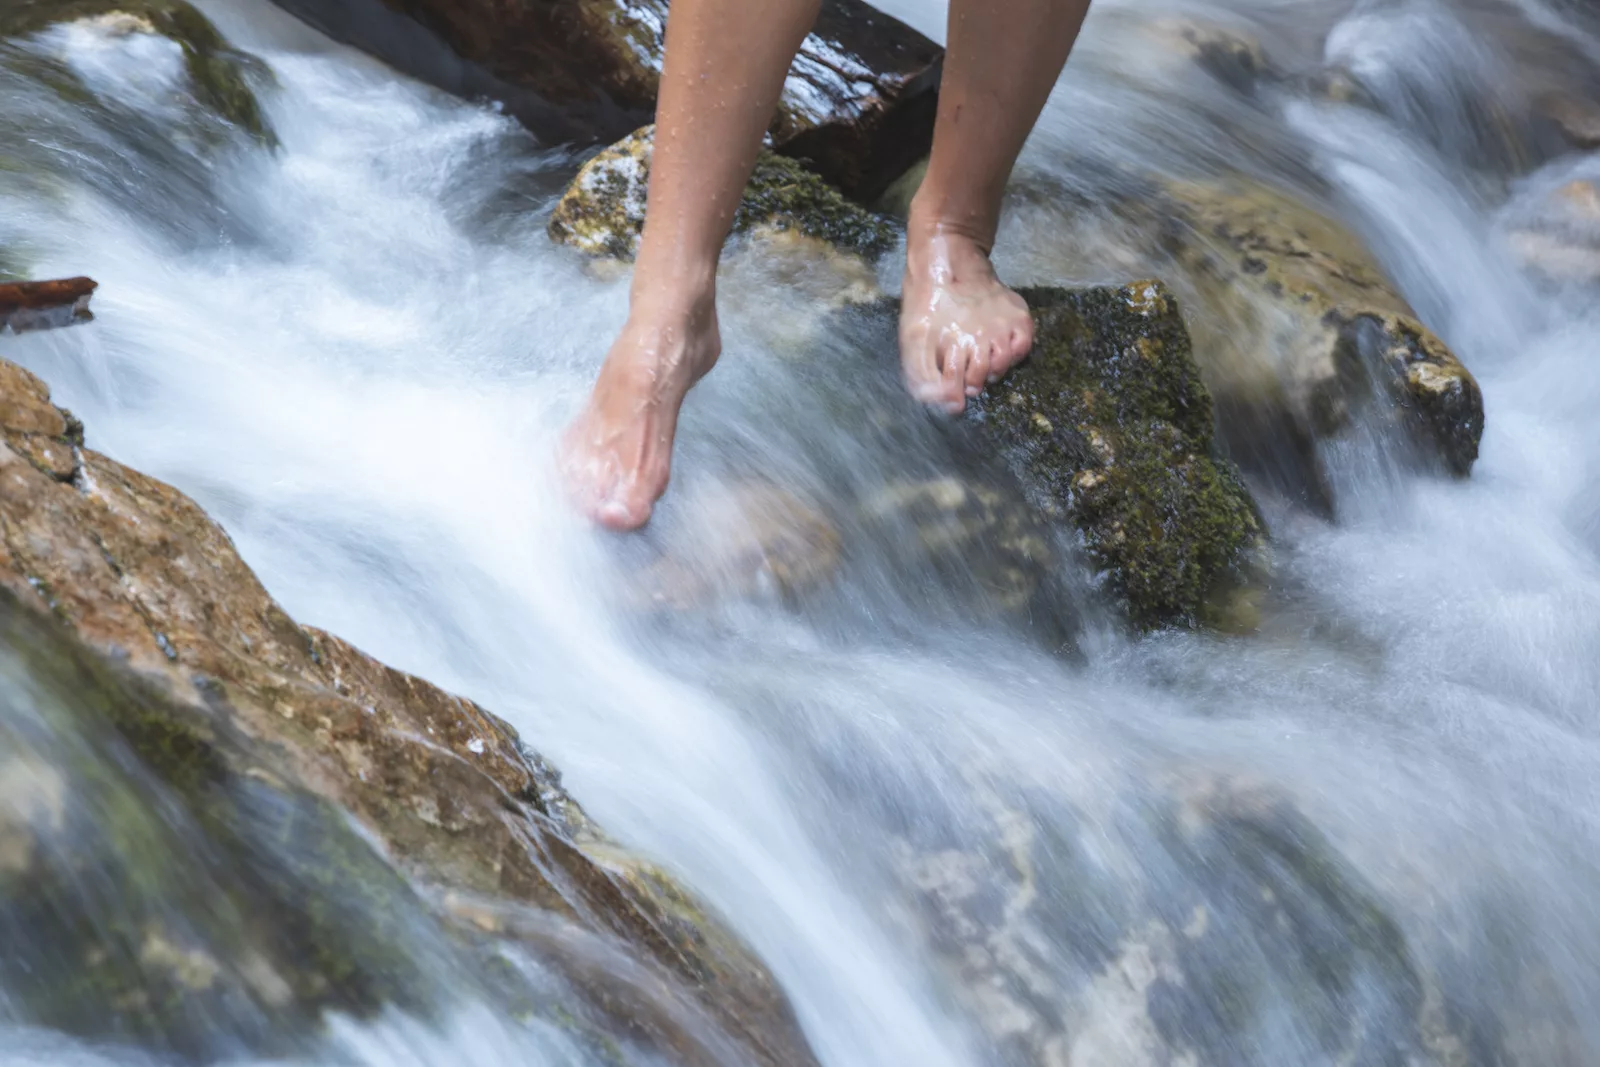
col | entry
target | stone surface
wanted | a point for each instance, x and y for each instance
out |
(858, 106)
(1109, 423)
(750, 540)
(220, 81)
(1556, 232)
(1240, 934)
(602, 212)
(28, 306)
(1308, 323)
(241, 717)
(966, 530)
(1577, 117)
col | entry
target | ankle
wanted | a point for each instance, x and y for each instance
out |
(934, 216)
(691, 308)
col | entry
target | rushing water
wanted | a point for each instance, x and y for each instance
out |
(357, 351)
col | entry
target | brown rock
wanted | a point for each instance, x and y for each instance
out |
(138, 574)
(44, 305)
(1576, 117)
(859, 104)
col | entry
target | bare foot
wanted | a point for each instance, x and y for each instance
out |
(617, 454)
(960, 329)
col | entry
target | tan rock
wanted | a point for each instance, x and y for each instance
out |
(1298, 314)
(1557, 236)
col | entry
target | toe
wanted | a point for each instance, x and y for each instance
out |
(622, 516)
(1014, 349)
(960, 351)
(980, 366)
(919, 366)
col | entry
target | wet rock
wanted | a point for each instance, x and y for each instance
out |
(1557, 234)
(858, 106)
(28, 306)
(602, 212)
(1309, 331)
(1577, 117)
(1243, 935)
(1110, 424)
(745, 541)
(280, 756)
(1232, 55)
(219, 82)
(971, 531)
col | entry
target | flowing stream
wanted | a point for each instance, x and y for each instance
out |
(356, 352)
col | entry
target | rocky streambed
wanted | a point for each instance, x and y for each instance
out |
(223, 832)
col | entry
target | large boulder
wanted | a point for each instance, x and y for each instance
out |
(1109, 423)
(217, 825)
(858, 106)
(1105, 435)
(1301, 334)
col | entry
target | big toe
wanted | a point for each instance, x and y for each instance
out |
(623, 515)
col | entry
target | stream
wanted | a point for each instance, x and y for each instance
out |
(356, 352)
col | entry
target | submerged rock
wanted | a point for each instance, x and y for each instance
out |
(977, 532)
(1244, 938)
(1311, 331)
(858, 105)
(602, 212)
(1109, 422)
(745, 541)
(219, 81)
(1556, 234)
(1576, 117)
(278, 757)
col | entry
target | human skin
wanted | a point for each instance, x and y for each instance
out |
(725, 64)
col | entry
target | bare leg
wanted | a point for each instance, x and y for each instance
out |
(726, 61)
(959, 327)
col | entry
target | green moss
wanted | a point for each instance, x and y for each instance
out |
(1112, 422)
(602, 212)
(187, 901)
(782, 193)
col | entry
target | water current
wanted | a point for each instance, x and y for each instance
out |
(356, 352)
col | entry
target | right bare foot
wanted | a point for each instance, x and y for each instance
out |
(617, 454)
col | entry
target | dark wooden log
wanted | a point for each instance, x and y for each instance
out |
(28, 306)
(858, 107)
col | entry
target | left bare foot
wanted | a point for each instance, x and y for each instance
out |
(960, 329)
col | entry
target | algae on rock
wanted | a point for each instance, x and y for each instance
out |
(602, 212)
(1109, 422)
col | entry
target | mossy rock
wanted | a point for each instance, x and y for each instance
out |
(1109, 422)
(167, 893)
(602, 212)
(221, 78)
